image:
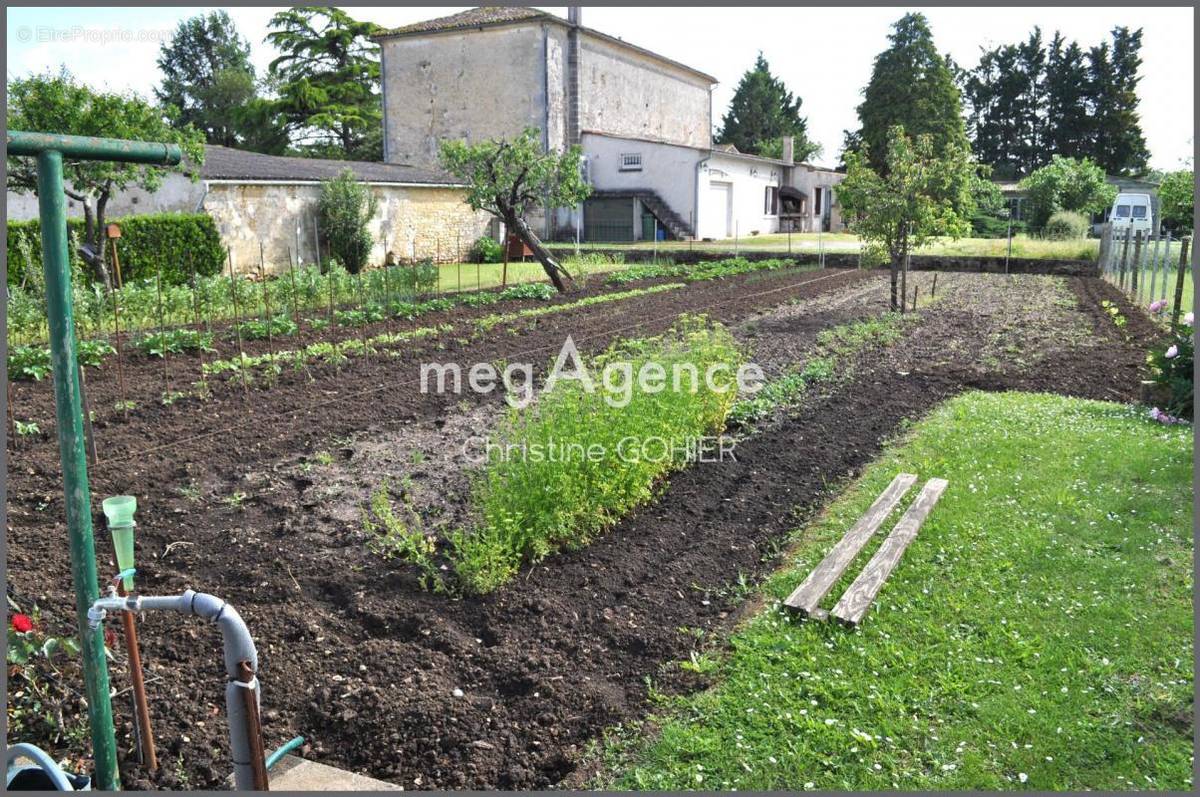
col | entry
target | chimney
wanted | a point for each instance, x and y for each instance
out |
(789, 150)
(574, 78)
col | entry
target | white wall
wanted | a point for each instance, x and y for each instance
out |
(667, 169)
(177, 194)
(626, 93)
(808, 178)
(748, 180)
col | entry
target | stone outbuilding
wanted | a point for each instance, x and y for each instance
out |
(272, 200)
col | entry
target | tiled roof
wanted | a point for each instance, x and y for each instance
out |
(473, 18)
(224, 163)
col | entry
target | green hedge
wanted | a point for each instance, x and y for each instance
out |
(147, 243)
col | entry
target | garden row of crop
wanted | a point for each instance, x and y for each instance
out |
(581, 461)
(706, 270)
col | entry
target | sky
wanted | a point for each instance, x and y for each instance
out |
(823, 54)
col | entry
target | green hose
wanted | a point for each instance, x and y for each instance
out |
(275, 757)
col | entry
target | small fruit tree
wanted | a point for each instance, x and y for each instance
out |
(346, 208)
(920, 196)
(508, 178)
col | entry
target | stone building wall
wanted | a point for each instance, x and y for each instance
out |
(415, 223)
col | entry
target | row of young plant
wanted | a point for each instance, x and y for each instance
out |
(148, 303)
(528, 506)
(337, 353)
(694, 272)
(33, 361)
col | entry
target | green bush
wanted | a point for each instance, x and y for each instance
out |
(1066, 225)
(486, 250)
(170, 241)
(530, 506)
(346, 208)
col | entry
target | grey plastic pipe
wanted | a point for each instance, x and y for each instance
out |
(238, 647)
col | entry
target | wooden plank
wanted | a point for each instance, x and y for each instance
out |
(859, 595)
(805, 597)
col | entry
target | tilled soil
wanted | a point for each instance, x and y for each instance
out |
(506, 691)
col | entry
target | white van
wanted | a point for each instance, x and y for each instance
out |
(1132, 212)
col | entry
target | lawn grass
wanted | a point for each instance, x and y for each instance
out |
(453, 277)
(811, 243)
(1036, 635)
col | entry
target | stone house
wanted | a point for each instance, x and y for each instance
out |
(643, 122)
(272, 200)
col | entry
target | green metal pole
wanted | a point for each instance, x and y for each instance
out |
(69, 415)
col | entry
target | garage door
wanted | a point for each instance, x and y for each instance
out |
(608, 220)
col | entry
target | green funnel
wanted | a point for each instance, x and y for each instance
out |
(119, 512)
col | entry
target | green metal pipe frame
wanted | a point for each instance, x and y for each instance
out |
(50, 151)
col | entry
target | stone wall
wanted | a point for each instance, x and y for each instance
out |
(415, 222)
(472, 85)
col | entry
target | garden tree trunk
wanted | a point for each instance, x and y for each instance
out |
(94, 235)
(562, 280)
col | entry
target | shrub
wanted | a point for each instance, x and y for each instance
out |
(1171, 366)
(531, 506)
(486, 250)
(1066, 226)
(170, 241)
(346, 207)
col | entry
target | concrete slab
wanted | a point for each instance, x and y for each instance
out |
(296, 774)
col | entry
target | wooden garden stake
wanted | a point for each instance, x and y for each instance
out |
(162, 335)
(1124, 258)
(196, 314)
(1180, 275)
(914, 306)
(331, 296)
(12, 426)
(89, 437)
(141, 707)
(292, 271)
(117, 327)
(933, 289)
(237, 321)
(262, 277)
(1137, 264)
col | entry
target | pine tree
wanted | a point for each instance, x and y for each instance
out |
(912, 86)
(762, 112)
(1068, 122)
(207, 76)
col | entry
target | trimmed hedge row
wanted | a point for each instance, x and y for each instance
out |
(147, 243)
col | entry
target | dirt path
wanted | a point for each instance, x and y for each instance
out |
(359, 660)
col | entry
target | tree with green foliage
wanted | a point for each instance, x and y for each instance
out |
(509, 178)
(911, 86)
(990, 217)
(207, 76)
(52, 103)
(1177, 200)
(922, 193)
(346, 208)
(328, 82)
(1118, 145)
(762, 112)
(1066, 184)
(1005, 97)
(1068, 121)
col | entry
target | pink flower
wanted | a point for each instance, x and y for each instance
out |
(1155, 414)
(1189, 319)
(1158, 305)
(1172, 352)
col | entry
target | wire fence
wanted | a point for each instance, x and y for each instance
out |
(1152, 268)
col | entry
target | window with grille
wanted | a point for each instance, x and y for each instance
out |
(631, 162)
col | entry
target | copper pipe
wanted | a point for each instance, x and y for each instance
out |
(258, 755)
(140, 705)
